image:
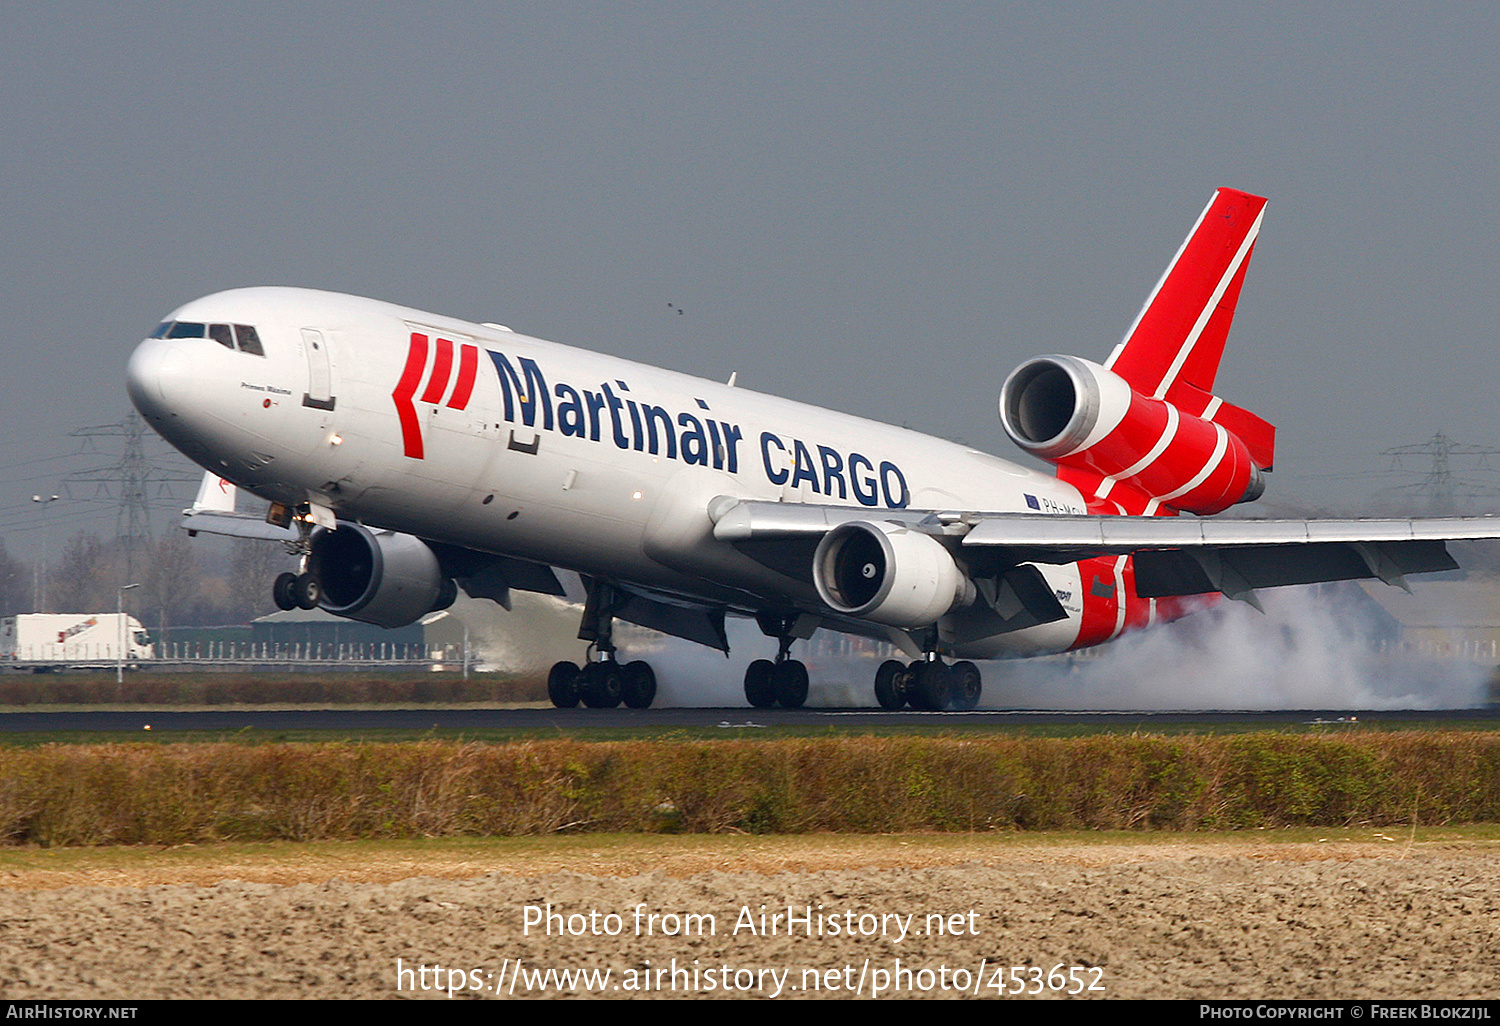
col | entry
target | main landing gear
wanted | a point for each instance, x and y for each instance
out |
(601, 683)
(783, 681)
(928, 684)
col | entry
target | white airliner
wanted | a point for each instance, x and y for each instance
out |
(406, 454)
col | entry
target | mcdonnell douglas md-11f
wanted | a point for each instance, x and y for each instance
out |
(406, 455)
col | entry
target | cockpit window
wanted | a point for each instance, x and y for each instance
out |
(243, 337)
(249, 340)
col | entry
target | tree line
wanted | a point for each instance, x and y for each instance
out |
(181, 583)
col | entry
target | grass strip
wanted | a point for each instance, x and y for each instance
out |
(129, 793)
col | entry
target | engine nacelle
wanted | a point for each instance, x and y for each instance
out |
(377, 577)
(890, 574)
(1076, 413)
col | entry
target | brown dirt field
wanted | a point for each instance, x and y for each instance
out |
(1356, 916)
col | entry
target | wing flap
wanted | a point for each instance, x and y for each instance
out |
(1237, 570)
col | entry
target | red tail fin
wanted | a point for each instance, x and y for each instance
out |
(1172, 351)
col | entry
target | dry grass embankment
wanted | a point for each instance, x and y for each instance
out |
(171, 794)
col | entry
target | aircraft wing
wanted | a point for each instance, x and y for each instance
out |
(1173, 555)
(213, 512)
(235, 525)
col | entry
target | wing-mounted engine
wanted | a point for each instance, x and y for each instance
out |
(888, 573)
(377, 577)
(1084, 417)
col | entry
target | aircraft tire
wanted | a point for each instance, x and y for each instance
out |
(909, 685)
(307, 591)
(932, 686)
(759, 691)
(790, 680)
(599, 685)
(639, 684)
(562, 685)
(890, 689)
(968, 685)
(284, 591)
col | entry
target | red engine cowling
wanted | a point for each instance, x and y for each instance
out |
(1082, 416)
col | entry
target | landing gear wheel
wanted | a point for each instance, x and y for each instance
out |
(284, 591)
(640, 684)
(759, 691)
(599, 685)
(307, 591)
(790, 681)
(967, 686)
(932, 686)
(907, 684)
(562, 685)
(889, 685)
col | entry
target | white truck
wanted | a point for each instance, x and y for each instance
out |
(55, 640)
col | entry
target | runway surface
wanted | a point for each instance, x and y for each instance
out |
(572, 721)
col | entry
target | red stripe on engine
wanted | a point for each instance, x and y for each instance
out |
(468, 366)
(1100, 600)
(406, 387)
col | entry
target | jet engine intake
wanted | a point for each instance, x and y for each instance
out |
(1053, 406)
(890, 574)
(1080, 415)
(377, 577)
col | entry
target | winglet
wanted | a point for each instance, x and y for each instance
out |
(214, 494)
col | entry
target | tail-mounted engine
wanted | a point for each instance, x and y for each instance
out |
(377, 577)
(889, 574)
(1082, 416)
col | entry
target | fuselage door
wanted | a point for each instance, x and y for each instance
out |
(319, 393)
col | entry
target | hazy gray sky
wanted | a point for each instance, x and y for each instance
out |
(880, 208)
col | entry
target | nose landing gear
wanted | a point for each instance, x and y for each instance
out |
(296, 591)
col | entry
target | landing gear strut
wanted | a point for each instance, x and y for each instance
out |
(301, 590)
(602, 683)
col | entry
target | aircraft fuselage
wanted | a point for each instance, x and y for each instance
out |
(480, 437)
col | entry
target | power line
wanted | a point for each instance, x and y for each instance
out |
(1441, 487)
(133, 476)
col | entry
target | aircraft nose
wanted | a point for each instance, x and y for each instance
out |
(142, 374)
(159, 381)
